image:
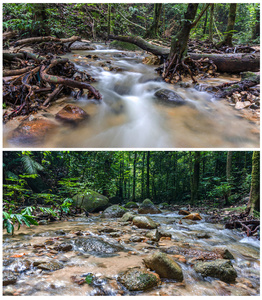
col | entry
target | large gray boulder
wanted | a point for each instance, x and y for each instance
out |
(148, 207)
(136, 279)
(220, 268)
(114, 211)
(91, 201)
(164, 266)
(128, 216)
(144, 222)
(169, 97)
(97, 246)
(81, 46)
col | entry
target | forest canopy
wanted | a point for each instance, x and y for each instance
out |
(98, 19)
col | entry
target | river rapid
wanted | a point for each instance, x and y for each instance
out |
(129, 116)
(191, 239)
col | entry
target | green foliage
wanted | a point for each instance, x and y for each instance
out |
(89, 278)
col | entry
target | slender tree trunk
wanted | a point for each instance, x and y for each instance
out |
(205, 23)
(195, 177)
(230, 26)
(254, 200)
(211, 22)
(108, 20)
(148, 175)
(256, 29)
(152, 32)
(134, 176)
(143, 175)
(229, 165)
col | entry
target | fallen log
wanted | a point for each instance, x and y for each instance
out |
(41, 39)
(231, 63)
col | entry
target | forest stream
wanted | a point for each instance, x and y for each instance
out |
(128, 116)
(103, 248)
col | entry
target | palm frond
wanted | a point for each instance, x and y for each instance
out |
(30, 165)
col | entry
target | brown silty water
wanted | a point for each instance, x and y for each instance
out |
(36, 245)
(129, 117)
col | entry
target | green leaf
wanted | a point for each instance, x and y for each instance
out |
(89, 278)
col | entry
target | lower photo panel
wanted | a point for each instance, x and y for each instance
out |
(131, 223)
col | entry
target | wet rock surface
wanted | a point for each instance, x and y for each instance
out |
(97, 246)
(33, 131)
(114, 211)
(221, 268)
(91, 201)
(164, 266)
(9, 277)
(144, 222)
(137, 279)
(169, 97)
(72, 114)
(148, 207)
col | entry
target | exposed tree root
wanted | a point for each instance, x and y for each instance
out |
(40, 81)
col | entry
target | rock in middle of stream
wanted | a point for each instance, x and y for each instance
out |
(97, 246)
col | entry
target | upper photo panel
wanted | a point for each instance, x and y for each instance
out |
(131, 75)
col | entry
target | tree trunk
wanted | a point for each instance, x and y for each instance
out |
(152, 32)
(205, 24)
(148, 175)
(254, 199)
(180, 40)
(143, 175)
(109, 20)
(134, 177)
(41, 19)
(256, 29)
(230, 26)
(229, 165)
(211, 21)
(195, 178)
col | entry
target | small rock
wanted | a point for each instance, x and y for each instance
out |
(50, 266)
(164, 266)
(241, 105)
(193, 216)
(64, 247)
(136, 279)
(183, 212)
(169, 97)
(144, 222)
(127, 217)
(72, 114)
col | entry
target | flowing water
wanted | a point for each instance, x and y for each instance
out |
(128, 116)
(36, 244)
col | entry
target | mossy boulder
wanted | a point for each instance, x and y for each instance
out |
(124, 46)
(136, 279)
(164, 266)
(220, 268)
(128, 216)
(91, 201)
(114, 211)
(148, 207)
(131, 204)
(144, 222)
